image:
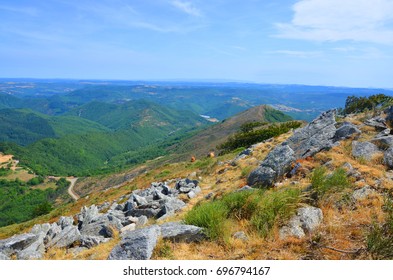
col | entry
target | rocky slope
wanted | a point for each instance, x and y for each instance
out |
(339, 167)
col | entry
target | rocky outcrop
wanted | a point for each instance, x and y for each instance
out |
(378, 123)
(364, 150)
(305, 221)
(68, 236)
(178, 232)
(384, 142)
(314, 137)
(3, 257)
(159, 201)
(136, 245)
(345, 131)
(16, 243)
(91, 241)
(388, 158)
(92, 223)
(37, 249)
(275, 165)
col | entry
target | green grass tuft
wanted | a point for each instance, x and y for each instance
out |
(324, 183)
(263, 209)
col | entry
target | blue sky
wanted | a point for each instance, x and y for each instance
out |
(317, 42)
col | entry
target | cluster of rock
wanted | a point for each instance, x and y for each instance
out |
(381, 143)
(318, 135)
(90, 227)
(321, 134)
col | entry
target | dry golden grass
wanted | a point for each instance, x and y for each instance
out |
(5, 158)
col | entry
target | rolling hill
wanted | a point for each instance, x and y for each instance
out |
(208, 139)
(95, 138)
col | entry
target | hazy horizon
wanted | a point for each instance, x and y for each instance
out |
(314, 42)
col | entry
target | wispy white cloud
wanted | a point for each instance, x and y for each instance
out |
(123, 15)
(186, 7)
(337, 20)
(298, 54)
(30, 11)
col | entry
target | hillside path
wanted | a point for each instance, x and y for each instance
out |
(70, 190)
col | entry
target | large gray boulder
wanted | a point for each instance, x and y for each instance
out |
(364, 150)
(102, 225)
(136, 245)
(345, 131)
(3, 257)
(37, 249)
(388, 157)
(67, 237)
(275, 165)
(315, 136)
(378, 123)
(88, 214)
(54, 230)
(178, 232)
(17, 243)
(384, 142)
(65, 222)
(305, 221)
(262, 176)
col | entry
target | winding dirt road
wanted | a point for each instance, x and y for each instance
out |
(70, 190)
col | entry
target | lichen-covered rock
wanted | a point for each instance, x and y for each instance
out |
(37, 249)
(136, 245)
(263, 175)
(314, 137)
(88, 214)
(65, 221)
(92, 241)
(275, 165)
(383, 143)
(101, 225)
(130, 227)
(346, 131)
(362, 193)
(68, 236)
(305, 221)
(378, 123)
(178, 232)
(364, 150)
(17, 243)
(3, 257)
(388, 157)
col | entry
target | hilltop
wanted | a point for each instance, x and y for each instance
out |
(322, 191)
